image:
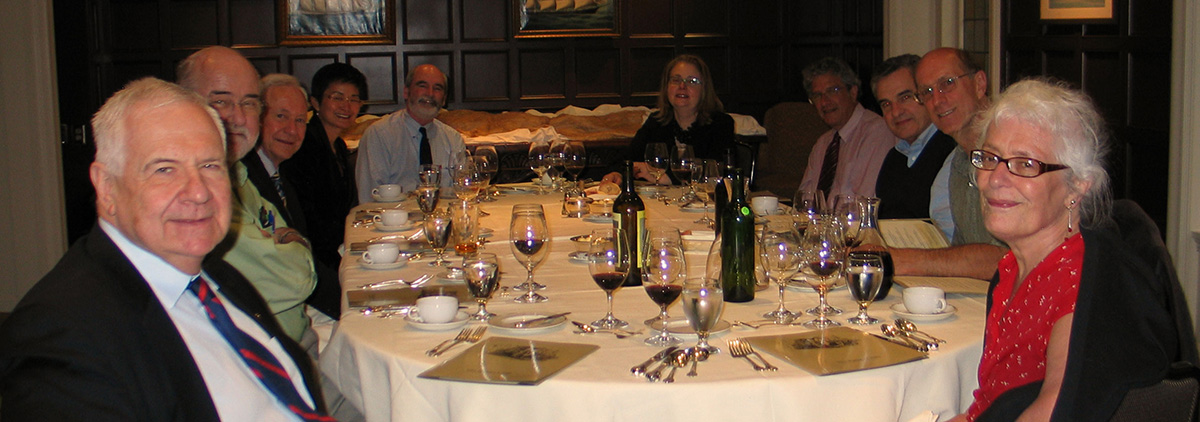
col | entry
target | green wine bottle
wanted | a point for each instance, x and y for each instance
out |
(737, 244)
(629, 214)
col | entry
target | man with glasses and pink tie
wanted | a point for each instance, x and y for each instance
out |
(847, 158)
(954, 90)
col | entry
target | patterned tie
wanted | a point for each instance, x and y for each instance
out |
(426, 152)
(279, 188)
(261, 362)
(829, 165)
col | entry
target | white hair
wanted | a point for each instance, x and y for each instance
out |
(108, 124)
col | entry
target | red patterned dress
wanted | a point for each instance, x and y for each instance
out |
(1018, 328)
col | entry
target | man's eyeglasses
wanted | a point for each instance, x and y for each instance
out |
(904, 98)
(828, 92)
(944, 86)
(224, 105)
(1018, 166)
(693, 81)
(338, 97)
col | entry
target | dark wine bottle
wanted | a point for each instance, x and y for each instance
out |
(629, 216)
(870, 240)
(721, 191)
(738, 278)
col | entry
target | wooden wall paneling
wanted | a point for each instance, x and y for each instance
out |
(252, 22)
(1146, 18)
(757, 21)
(303, 66)
(442, 59)
(123, 72)
(649, 18)
(719, 64)
(645, 70)
(1150, 88)
(1100, 69)
(1067, 65)
(189, 23)
(383, 78)
(598, 73)
(542, 74)
(135, 25)
(426, 21)
(485, 76)
(485, 20)
(704, 18)
(267, 65)
(811, 17)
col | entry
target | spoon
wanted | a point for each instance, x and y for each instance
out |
(910, 327)
(641, 369)
(588, 329)
(894, 332)
(678, 360)
(698, 355)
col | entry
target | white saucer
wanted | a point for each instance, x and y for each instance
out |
(381, 199)
(458, 321)
(400, 263)
(386, 228)
(901, 311)
(681, 327)
(578, 257)
(598, 218)
(797, 285)
(508, 323)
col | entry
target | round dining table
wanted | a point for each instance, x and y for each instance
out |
(375, 361)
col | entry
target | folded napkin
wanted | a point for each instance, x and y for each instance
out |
(925, 416)
(708, 235)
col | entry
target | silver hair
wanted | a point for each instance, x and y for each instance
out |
(1079, 138)
(829, 65)
(279, 79)
(108, 124)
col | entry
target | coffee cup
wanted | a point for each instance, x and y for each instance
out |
(392, 217)
(764, 205)
(435, 309)
(388, 192)
(381, 253)
(924, 300)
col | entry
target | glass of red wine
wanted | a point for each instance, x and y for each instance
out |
(608, 262)
(826, 254)
(663, 277)
(528, 234)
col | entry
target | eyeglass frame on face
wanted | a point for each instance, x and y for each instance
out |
(688, 81)
(817, 96)
(903, 98)
(338, 97)
(223, 104)
(978, 161)
(944, 86)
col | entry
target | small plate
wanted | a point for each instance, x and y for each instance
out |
(509, 323)
(386, 228)
(598, 218)
(380, 199)
(901, 311)
(803, 287)
(578, 257)
(458, 321)
(400, 263)
(681, 327)
(697, 207)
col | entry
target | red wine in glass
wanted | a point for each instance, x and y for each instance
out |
(609, 281)
(664, 294)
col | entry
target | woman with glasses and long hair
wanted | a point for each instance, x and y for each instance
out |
(1076, 317)
(689, 113)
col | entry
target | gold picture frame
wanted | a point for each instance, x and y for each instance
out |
(1076, 11)
(331, 22)
(566, 18)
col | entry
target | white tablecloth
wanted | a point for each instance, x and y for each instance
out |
(375, 361)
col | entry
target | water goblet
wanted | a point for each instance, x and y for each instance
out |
(864, 276)
(431, 174)
(482, 274)
(665, 267)
(608, 263)
(781, 253)
(529, 235)
(703, 301)
(826, 256)
(437, 231)
(427, 197)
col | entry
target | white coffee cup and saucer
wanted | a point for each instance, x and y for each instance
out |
(387, 193)
(391, 220)
(436, 313)
(924, 304)
(382, 256)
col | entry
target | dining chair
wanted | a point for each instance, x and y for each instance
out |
(792, 130)
(1171, 400)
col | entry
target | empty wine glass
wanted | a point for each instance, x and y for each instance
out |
(484, 170)
(848, 209)
(608, 262)
(431, 174)
(539, 162)
(488, 163)
(665, 268)
(806, 205)
(482, 273)
(557, 165)
(658, 160)
(529, 235)
(437, 230)
(575, 159)
(864, 275)
(706, 186)
(781, 250)
(703, 301)
(826, 256)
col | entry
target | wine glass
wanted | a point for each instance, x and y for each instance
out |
(703, 301)
(665, 267)
(533, 208)
(539, 162)
(848, 209)
(488, 162)
(557, 166)
(529, 236)
(781, 253)
(655, 237)
(485, 169)
(575, 159)
(431, 174)
(482, 273)
(657, 163)
(705, 186)
(467, 180)
(427, 197)
(826, 255)
(464, 219)
(608, 262)
(681, 166)
(864, 275)
(806, 205)
(437, 230)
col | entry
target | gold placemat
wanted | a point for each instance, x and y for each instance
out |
(835, 350)
(506, 360)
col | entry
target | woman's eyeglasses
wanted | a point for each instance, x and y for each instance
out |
(1018, 166)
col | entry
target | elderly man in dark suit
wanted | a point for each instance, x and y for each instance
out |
(285, 114)
(134, 323)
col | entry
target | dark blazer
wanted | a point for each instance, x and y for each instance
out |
(91, 342)
(257, 173)
(903, 191)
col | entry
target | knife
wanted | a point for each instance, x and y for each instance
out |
(523, 324)
(901, 342)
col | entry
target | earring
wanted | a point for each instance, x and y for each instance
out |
(1069, 227)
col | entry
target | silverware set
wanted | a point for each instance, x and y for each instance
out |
(467, 335)
(905, 333)
(739, 348)
(588, 329)
(418, 282)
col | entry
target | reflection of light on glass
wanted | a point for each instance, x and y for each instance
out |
(534, 361)
(483, 369)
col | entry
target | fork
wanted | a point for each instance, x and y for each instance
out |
(461, 337)
(750, 349)
(472, 335)
(738, 350)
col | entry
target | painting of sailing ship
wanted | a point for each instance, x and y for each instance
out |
(315, 22)
(1077, 11)
(566, 18)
